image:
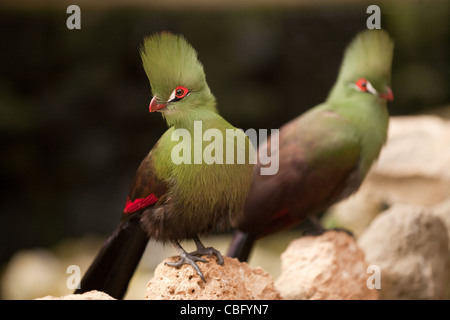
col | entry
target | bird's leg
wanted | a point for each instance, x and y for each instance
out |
(317, 227)
(201, 250)
(186, 258)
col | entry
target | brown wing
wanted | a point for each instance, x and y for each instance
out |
(304, 185)
(145, 188)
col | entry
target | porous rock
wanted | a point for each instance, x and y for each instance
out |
(410, 245)
(442, 210)
(329, 266)
(90, 295)
(231, 281)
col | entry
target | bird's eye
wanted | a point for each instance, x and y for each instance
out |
(181, 92)
(361, 84)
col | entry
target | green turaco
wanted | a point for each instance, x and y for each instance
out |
(171, 200)
(324, 154)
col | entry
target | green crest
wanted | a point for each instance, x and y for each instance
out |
(170, 61)
(369, 55)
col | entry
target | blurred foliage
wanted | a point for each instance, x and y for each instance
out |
(74, 121)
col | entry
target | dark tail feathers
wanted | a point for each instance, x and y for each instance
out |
(117, 260)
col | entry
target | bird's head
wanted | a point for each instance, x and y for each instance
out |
(176, 77)
(366, 68)
(365, 86)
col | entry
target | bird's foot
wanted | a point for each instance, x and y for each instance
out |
(193, 257)
(209, 251)
(315, 227)
(189, 258)
(201, 250)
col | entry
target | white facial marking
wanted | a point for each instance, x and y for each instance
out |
(172, 96)
(371, 89)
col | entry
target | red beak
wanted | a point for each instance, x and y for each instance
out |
(155, 105)
(388, 95)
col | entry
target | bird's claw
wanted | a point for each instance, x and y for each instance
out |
(193, 257)
(209, 251)
(186, 258)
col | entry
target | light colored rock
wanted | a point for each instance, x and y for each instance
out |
(37, 272)
(329, 266)
(410, 245)
(442, 210)
(413, 167)
(91, 295)
(232, 281)
(417, 145)
(357, 212)
(29, 274)
(40, 272)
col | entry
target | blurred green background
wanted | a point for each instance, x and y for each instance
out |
(74, 121)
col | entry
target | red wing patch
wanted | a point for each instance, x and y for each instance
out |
(280, 213)
(138, 204)
(280, 221)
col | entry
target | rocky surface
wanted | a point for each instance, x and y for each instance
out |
(412, 176)
(91, 295)
(442, 210)
(413, 167)
(410, 246)
(234, 280)
(400, 216)
(329, 266)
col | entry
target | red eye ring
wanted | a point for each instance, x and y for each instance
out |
(362, 84)
(181, 92)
